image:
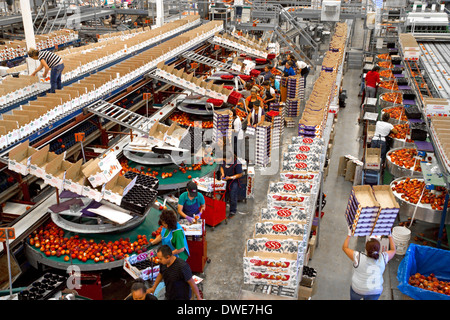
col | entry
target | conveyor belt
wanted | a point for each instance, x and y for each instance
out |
(208, 61)
(435, 58)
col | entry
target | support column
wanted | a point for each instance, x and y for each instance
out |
(28, 27)
(159, 13)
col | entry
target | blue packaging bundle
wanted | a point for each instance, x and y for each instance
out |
(389, 209)
(293, 107)
(362, 211)
(424, 260)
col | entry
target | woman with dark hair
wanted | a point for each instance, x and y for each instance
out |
(382, 130)
(368, 268)
(372, 81)
(172, 234)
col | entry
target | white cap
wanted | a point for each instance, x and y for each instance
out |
(301, 64)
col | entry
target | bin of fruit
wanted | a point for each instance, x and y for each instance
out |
(403, 162)
(397, 114)
(408, 191)
(402, 137)
(391, 99)
(387, 86)
(423, 274)
(385, 64)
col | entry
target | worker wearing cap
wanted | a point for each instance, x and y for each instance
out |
(191, 203)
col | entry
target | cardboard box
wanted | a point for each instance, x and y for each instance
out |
(19, 158)
(101, 170)
(305, 293)
(372, 159)
(116, 188)
(56, 172)
(347, 167)
(39, 161)
(312, 245)
(75, 179)
(175, 134)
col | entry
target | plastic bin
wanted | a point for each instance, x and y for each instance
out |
(423, 260)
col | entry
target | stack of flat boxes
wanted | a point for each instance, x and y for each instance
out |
(281, 109)
(295, 93)
(263, 144)
(222, 124)
(389, 210)
(274, 117)
(362, 211)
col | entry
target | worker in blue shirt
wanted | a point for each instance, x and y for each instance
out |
(288, 69)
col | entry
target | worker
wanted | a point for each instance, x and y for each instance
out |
(372, 81)
(368, 268)
(191, 203)
(304, 70)
(274, 83)
(266, 74)
(172, 234)
(177, 276)
(288, 69)
(246, 91)
(257, 116)
(49, 60)
(250, 101)
(382, 131)
(269, 94)
(238, 135)
(138, 291)
(231, 172)
(289, 57)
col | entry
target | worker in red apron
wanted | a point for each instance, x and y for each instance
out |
(172, 234)
(191, 203)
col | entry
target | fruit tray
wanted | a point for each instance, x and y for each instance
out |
(300, 166)
(290, 188)
(308, 141)
(43, 288)
(143, 180)
(285, 214)
(287, 246)
(312, 177)
(305, 149)
(142, 266)
(280, 230)
(310, 158)
(139, 199)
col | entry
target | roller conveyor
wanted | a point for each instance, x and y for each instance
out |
(435, 59)
(208, 61)
(124, 117)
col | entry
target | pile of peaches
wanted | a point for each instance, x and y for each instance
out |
(390, 85)
(411, 190)
(50, 240)
(429, 283)
(184, 120)
(406, 158)
(394, 97)
(402, 132)
(397, 113)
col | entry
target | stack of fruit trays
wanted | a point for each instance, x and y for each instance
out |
(222, 124)
(362, 211)
(389, 209)
(263, 144)
(275, 118)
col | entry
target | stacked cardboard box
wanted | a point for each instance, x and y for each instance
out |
(362, 211)
(275, 118)
(409, 46)
(222, 124)
(389, 209)
(263, 148)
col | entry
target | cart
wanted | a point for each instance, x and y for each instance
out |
(215, 208)
(197, 251)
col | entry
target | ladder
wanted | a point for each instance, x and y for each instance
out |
(207, 61)
(124, 117)
(296, 51)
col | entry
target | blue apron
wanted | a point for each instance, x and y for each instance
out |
(191, 210)
(168, 240)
